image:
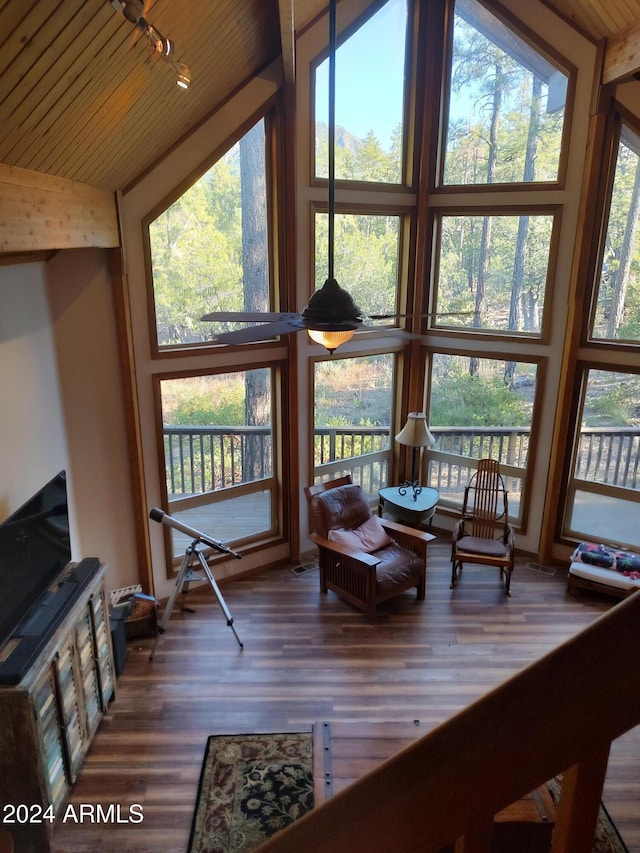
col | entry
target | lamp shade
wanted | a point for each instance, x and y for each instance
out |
(328, 339)
(415, 433)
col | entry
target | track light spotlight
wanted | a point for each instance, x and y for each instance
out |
(133, 10)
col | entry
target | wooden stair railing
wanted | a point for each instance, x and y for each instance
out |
(559, 715)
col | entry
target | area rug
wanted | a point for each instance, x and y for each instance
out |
(607, 838)
(251, 786)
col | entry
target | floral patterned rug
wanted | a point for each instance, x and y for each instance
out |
(251, 786)
(607, 838)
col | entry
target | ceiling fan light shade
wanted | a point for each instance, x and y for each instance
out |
(330, 340)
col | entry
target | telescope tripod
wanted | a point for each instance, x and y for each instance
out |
(186, 575)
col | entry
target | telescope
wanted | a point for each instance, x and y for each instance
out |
(186, 573)
(162, 517)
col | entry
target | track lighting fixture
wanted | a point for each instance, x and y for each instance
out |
(133, 10)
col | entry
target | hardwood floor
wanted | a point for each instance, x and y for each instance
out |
(309, 657)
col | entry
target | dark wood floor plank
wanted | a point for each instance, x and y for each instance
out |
(308, 657)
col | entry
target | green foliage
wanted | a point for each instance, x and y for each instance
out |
(464, 400)
(200, 410)
(354, 391)
(495, 82)
(366, 258)
(196, 254)
(617, 313)
(204, 400)
(612, 400)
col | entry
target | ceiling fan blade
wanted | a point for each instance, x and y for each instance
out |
(248, 316)
(261, 333)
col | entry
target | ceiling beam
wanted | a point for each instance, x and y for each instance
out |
(288, 39)
(622, 56)
(41, 212)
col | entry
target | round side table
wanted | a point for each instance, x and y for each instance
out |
(416, 512)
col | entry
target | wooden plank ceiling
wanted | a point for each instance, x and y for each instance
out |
(84, 97)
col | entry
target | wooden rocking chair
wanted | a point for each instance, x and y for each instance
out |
(483, 534)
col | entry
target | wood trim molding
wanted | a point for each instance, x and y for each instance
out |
(589, 217)
(288, 39)
(41, 213)
(622, 56)
(120, 281)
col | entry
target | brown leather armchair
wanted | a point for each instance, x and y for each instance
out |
(363, 559)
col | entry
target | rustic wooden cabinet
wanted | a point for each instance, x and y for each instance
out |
(48, 720)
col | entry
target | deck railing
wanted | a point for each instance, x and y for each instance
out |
(207, 458)
(202, 459)
(610, 456)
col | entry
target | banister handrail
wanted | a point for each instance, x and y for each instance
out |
(543, 720)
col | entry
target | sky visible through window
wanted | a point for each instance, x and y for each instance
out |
(369, 76)
(370, 67)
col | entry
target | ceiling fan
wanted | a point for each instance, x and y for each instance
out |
(331, 317)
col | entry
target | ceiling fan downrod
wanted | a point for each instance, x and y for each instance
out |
(331, 316)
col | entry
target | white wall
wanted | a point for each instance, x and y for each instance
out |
(61, 403)
(84, 327)
(33, 445)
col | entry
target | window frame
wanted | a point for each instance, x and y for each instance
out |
(552, 56)
(425, 195)
(405, 215)
(573, 483)
(385, 457)
(437, 214)
(520, 522)
(274, 483)
(408, 156)
(272, 115)
(617, 118)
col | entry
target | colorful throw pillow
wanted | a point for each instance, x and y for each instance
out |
(593, 555)
(605, 557)
(628, 563)
(369, 537)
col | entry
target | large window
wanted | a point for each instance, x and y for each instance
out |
(367, 249)
(478, 408)
(604, 496)
(353, 402)
(494, 232)
(369, 100)
(617, 310)
(209, 249)
(494, 271)
(217, 437)
(506, 107)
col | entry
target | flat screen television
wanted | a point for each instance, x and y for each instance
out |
(34, 549)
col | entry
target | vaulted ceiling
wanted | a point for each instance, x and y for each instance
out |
(83, 97)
